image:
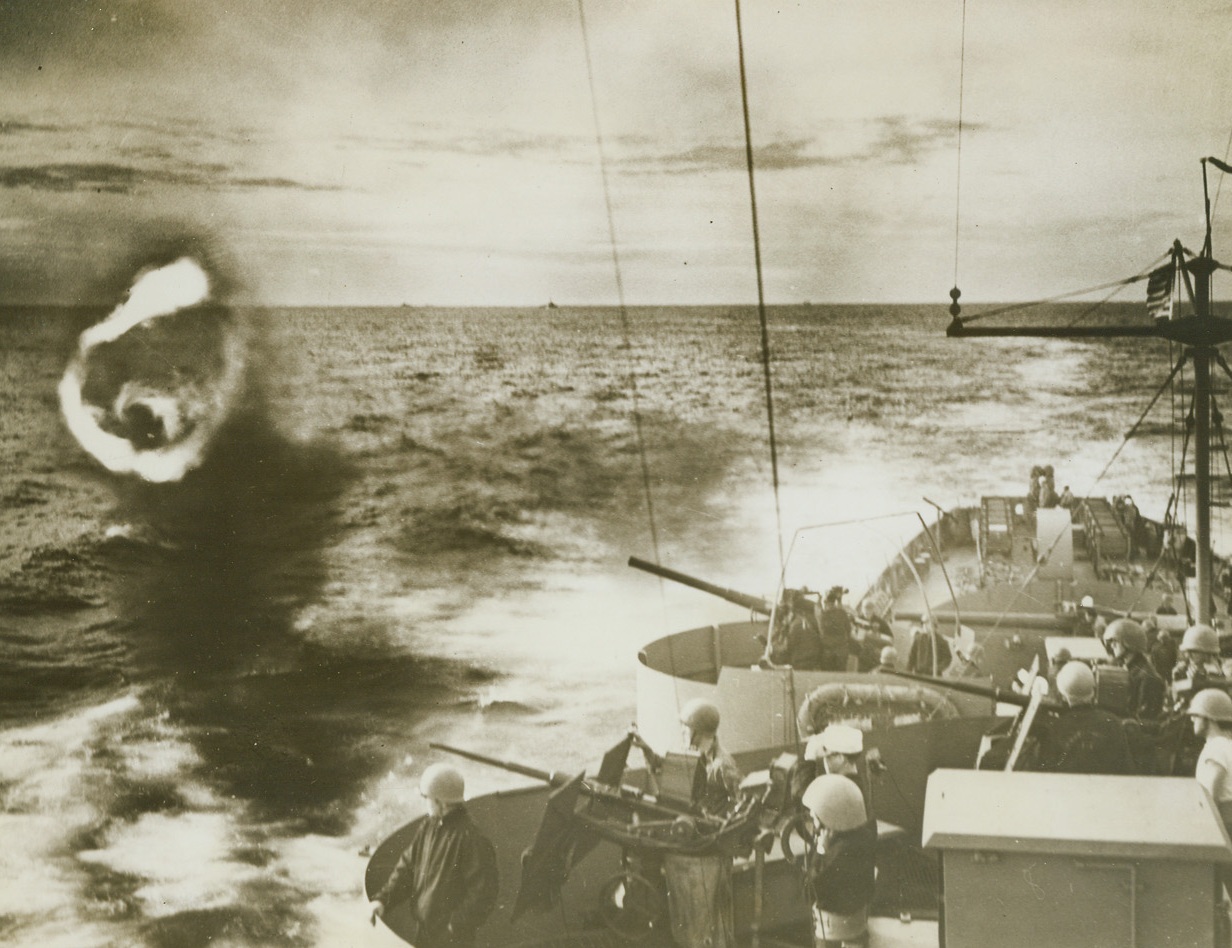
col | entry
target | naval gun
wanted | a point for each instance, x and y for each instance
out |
(636, 819)
(752, 603)
(995, 692)
(582, 811)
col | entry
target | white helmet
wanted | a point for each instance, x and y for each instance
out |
(836, 802)
(1088, 602)
(442, 783)
(1076, 682)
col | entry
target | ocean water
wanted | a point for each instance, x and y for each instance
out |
(413, 526)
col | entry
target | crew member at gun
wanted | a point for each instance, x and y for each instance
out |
(1083, 739)
(796, 640)
(836, 640)
(699, 888)
(448, 871)
(1126, 640)
(840, 874)
(1199, 663)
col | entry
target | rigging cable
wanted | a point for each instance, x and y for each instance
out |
(620, 288)
(955, 293)
(761, 294)
(1015, 307)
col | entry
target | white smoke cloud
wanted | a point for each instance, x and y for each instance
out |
(157, 428)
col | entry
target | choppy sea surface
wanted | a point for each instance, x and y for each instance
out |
(413, 526)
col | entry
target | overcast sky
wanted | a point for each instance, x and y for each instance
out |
(445, 151)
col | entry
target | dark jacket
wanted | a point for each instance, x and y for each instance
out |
(920, 658)
(800, 645)
(448, 874)
(1084, 740)
(835, 637)
(841, 880)
(1147, 688)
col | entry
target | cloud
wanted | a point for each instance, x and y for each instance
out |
(892, 140)
(113, 178)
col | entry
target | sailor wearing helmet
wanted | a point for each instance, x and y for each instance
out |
(840, 873)
(447, 875)
(1199, 663)
(1127, 642)
(836, 631)
(699, 888)
(1084, 739)
(1211, 712)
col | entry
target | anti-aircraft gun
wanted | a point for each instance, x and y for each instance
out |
(647, 826)
(752, 603)
(1160, 747)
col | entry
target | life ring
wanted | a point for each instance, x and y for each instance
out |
(871, 706)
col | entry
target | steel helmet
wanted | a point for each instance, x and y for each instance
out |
(443, 783)
(1088, 602)
(1200, 638)
(837, 803)
(701, 715)
(1076, 682)
(889, 655)
(1128, 632)
(1213, 704)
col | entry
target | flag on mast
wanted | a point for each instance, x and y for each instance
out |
(1159, 292)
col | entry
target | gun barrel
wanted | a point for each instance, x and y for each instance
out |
(753, 603)
(630, 796)
(975, 688)
(533, 772)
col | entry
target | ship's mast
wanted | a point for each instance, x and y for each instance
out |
(1200, 334)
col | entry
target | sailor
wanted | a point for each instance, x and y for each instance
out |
(699, 888)
(836, 640)
(1162, 647)
(873, 634)
(1088, 621)
(448, 871)
(1083, 739)
(1211, 711)
(1165, 607)
(798, 640)
(840, 873)
(1067, 499)
(887, 661)
(930, 651)
(1046, 495)
(1184, 553)
(839, 749)
(700, 720)
(1199, 663)
(1033, 485)
(1127, 643)
(1056, 663)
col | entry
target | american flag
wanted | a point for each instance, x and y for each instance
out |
(1159, 292)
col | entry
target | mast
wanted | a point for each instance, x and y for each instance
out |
(1200, 335)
